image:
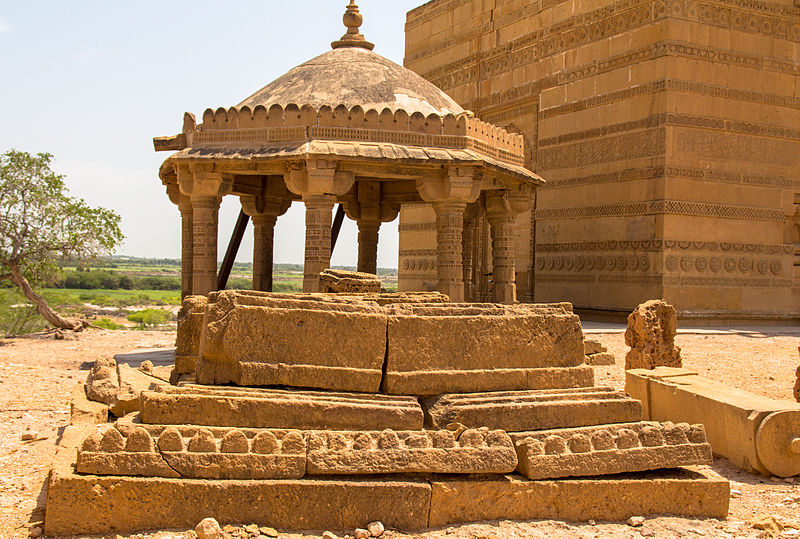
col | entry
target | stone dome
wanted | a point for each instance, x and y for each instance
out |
(350, 76)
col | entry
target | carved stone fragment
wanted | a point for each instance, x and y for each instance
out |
(610, 449)
(341, 281)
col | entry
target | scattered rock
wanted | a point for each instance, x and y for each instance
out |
(36, 531)
(651, 335)
(329, 535)
(635, 521)
(736, 493)
(376, 528)
(601, 358)
(208, 529)
(361, 533)
(768, 523)
(647, 533)
(28, 436)
(269, 532)
(591, 522)
(252, 529)
(146, 366)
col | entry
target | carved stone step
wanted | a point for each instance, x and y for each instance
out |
(274, 408)
(133, 449)
(610, 449)
(474, 451)
(515, 411)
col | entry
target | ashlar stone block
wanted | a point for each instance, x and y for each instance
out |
(266, 340)
(515, 411)
(460, 348)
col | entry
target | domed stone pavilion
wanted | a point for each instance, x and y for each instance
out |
(353, 128)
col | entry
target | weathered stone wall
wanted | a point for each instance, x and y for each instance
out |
(667, 131)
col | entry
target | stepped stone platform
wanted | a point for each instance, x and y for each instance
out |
(497, 417)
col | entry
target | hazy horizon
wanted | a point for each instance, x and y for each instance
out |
(93, 82)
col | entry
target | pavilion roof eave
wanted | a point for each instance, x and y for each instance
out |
(350, 151)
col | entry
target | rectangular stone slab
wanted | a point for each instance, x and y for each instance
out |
(460, 348)
(268, 408)
(515, 411)
(89, 504)
(610, 449)
(733, 419)
(474, 451)
(685, 492)
(190, 327)
(268, 340)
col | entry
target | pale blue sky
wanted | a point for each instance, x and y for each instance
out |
(92, 82)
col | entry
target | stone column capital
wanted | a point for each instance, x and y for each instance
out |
(256, 206)
(203, 183)
(318, 177)
(457, 184)
(503, 204)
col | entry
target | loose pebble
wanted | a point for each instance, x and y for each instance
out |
(361, 533)
(208, 529)
(376, 528)
(635, 521)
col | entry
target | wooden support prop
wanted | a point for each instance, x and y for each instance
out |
(337, 225)
(233, 249)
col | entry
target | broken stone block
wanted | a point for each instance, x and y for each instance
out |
(461, 348)
(264, 340)
(82, 411)
(102, 383)
(591, 346)
(651, 335)
(515, 411)
(265, 455)
(131, 384)
(190, 326)
(755, 433)
(268, 408)
(474, 451)
(601, 358)
(354, 282)
(610, 449)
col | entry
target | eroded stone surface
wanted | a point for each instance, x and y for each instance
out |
(131, 384)
(473, 451)
(610, 449)
(796, 390)
(238, 407)
(84, 411)
(435, 349)
(102, 383)
(515, 411)
(685, 492)
(652, 327)
(190, 326)
(261, 340)
(341, 281)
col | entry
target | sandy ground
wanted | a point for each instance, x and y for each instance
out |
(37, 376)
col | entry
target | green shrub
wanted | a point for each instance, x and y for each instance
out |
(107, 323)
(17, 316)
(150, 317)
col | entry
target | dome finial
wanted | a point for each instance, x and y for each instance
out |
(352, 20)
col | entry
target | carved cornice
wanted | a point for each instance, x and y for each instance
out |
(661, 207)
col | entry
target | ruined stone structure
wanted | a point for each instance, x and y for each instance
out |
(666, 131)
(435, 426)
(651, 331)
(331, 131)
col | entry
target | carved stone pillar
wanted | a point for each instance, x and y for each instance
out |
(469, 239)
(187, 245)
(205, 214)
(368, 246)
(264, 209)
(318, 239)
(450, 193)
(184, 204)
(501, 208)
(263, 243)
(449, 261)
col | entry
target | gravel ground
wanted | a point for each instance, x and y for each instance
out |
(38, 374)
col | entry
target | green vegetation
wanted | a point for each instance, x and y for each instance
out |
(17, 316)
(41, 224)
(107, 323)
(150, 317)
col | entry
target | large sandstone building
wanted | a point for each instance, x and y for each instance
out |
(668, 132)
